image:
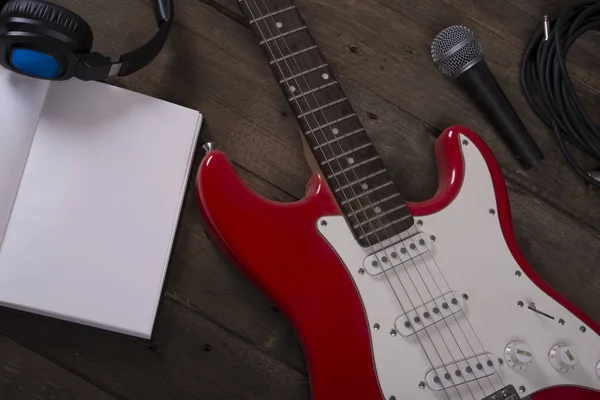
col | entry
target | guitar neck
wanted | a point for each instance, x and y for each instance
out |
(348, 160)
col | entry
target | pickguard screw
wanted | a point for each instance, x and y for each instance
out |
(490, 363)
(421, 385)
(419, 222)
(422, 242)
(403, 250)
(519, 303)
(392, 398)
(447, 376)
(384, 259)
(393, 332)
(492, 211)
(426, 315)
(500, 361)
(376, 327)
(374, 263)
(465, 142)
(413, 246)
(445, 306)
(407, 324)
(582, 329)
(361, 271)
(522, 389)
(465, 296)
(561, 321)
(417, 320)
(394, 255)
(432, 238)
(323, 223)
(454, 301)
(517, 273)
(436, 310)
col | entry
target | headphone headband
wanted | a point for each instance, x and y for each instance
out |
(28, 40)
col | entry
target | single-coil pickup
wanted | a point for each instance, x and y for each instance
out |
(429, 313)
(397, 254)
(451, 375)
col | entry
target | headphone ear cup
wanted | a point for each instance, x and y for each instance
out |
(59, 18)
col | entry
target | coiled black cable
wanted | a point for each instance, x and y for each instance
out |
(548, 87)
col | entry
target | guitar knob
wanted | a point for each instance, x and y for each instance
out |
(518, 355)
(562, 357)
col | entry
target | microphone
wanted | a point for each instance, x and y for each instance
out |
(459, 55)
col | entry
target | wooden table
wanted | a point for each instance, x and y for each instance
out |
(218, 337)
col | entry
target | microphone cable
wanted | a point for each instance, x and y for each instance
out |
(548, 86)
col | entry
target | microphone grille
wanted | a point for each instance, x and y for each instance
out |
(455, 49)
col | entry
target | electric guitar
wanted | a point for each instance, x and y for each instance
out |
(395, 300)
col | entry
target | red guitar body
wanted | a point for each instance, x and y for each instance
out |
(279, 248)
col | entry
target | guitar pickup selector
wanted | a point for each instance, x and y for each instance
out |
(428, 314)
(402, 252)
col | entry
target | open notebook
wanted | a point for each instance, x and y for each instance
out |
(92, 179)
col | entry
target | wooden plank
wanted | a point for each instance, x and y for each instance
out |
(26, 375)
(384, 46)
(193, 359)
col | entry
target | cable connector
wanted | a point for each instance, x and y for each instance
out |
(546, 28)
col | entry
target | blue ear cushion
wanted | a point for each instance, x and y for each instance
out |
(66, 21)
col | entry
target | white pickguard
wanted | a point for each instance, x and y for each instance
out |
(473, 258)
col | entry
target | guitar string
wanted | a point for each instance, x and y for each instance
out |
(399, 279)
(306, 120)
(458, 345)
(470, 345)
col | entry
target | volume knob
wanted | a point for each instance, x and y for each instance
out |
(518, 355)
(562, 357)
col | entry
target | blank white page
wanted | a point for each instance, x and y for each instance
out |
(21, 101)
(93, 223)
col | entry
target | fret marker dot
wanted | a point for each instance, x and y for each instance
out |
(279, 25)
(292, 89)
(335, 131)
(377, 210)
(350, 160)
(325, 76)
(364, 186)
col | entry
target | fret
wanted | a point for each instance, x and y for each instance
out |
(360, 164)
(272, 14)
(347, 135)
(282, 35)
(314, 110)
(330, 123)
(367, 192)
(379, 215)
(364, 178)
(376, 203)
(297, 53)
(296, 76)
(388, 225)
(344, 154)
(312, 91)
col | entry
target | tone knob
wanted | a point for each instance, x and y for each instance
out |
(518, 355)
(562, 357)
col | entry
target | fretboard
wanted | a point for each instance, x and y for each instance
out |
(363, 189)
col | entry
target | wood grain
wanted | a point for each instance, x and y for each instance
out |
(379, 50)
(27, 375)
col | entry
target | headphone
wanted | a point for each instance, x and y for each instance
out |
(43, 40)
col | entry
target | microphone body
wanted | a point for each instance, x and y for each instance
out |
(459, 55)
(479, 82)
